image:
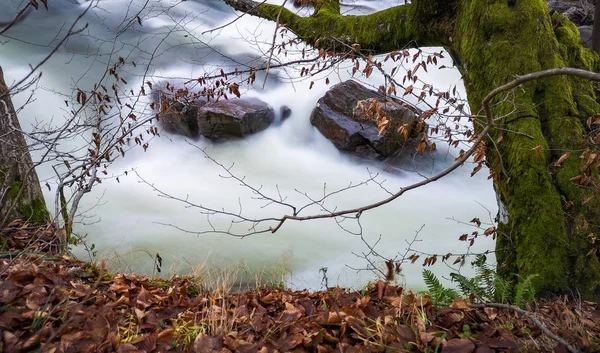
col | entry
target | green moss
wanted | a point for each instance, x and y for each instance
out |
(161, 283)
(495, 42)
(569, 40)
(34, 211)
(331, 7)
(537, 235)
(565, 132)
(586, 105)
(383, 31)
(14, 190)
(3, 243)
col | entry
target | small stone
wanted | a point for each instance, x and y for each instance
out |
(285, 112)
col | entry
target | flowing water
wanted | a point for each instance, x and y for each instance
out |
(128, 222)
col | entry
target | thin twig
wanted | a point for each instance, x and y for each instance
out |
(533, 319)
(273, 44)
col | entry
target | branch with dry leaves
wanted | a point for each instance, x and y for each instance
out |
(477, 142)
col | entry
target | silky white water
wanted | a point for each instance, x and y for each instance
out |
(128, 221)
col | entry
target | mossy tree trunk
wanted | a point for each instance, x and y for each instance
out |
(547, 223)
(20, 192)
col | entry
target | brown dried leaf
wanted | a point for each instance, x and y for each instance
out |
(207, 344)
(449, 317)
(492, 313)
(425, 336)
(291, 313)
(562, 158)
(460, 304)
(458, 346)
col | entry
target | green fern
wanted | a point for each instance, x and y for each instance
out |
(467, 286)
(525, 291)
(432, 282)
(502, 289)
(487, 277)
(486, 286)
(439, 295)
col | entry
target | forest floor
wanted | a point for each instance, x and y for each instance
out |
(52, 303)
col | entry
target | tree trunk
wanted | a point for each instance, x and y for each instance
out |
(20, 192)
(547, 223)
(596, 29)
(544, 223)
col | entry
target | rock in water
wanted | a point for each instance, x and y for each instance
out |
(181, 119)
(579, 12)
(233, 118)
(285, 112)
(586, 35)
(337, 118)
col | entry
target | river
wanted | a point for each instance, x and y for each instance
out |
(126, 219)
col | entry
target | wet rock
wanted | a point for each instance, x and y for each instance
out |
(218, 120)
(285, 112)
(181, 119)
(337, 118)
(234, 118)
(579, 12)
(580, 16)
(366, 151)
(559, 6)
(586, 35)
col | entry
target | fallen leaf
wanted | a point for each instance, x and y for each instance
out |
(458, 346)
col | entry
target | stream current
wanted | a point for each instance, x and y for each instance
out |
(128, 222)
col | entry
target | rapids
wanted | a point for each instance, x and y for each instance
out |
(126, 220)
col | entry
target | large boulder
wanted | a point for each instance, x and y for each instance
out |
(218, 120)
(338, 118)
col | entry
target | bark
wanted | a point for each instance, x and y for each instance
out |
(596, 29)
(545, 232)
(547, 222)
(20, 192)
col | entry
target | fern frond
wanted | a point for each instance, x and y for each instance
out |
(525, 291)
(467, 286)
(439, 294)
(502, 289)
(434, 286)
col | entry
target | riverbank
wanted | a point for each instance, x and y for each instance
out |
(54, 303)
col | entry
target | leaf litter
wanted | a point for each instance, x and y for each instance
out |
(60, 304)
